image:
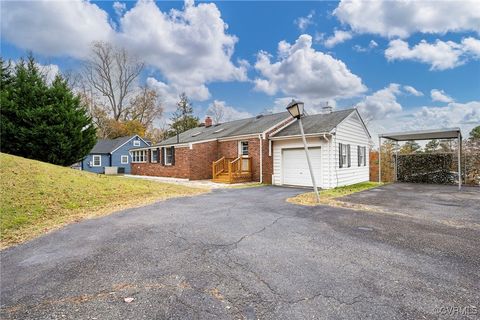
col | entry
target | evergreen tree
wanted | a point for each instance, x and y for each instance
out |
(183, 118)
(475, 134)
(410, 146)
(432, 146)
(42, 122)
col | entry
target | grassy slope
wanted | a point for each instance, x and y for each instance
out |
(36, 197)
(328, 196)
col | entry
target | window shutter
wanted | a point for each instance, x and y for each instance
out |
(159, 155)
(348, 155)
(358, 155)
(364, 156)
(173, 155)
(340, 158)
(162, 156)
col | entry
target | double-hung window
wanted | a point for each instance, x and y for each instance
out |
(168, 156)
(244, 148)
(154, 156)
(362, 158)
(96, 161)
(344, 155)
(124, 159)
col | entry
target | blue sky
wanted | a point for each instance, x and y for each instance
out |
(408, 65)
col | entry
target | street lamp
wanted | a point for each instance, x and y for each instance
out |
(296, 110)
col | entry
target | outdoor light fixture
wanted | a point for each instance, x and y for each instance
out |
(296, 110)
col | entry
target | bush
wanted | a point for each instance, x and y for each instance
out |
(436, 168)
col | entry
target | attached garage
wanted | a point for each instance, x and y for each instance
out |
(338, 143)
(295, 166)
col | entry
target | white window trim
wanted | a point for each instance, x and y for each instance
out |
(240, 148)
(99, 161)
(136, 156)
(136, 143)
(165, 157)
(121, 159)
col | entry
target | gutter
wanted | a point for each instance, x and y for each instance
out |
(261, 158)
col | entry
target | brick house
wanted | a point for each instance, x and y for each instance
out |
(265, 148)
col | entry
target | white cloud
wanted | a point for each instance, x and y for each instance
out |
(440, 55)
(54, 28)
(411, 90)
(303, 72)
(371, 45)
(303, 22)
(190, 47)
(381, 103)
(338, 36)
(119, 8)
(229, 113)
(403, 18)
(440, 95)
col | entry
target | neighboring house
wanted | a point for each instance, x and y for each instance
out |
(266, 149)
(112, 153)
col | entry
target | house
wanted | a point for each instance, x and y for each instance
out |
(267, 149)
(112, 154)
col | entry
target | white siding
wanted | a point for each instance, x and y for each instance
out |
(350, 131)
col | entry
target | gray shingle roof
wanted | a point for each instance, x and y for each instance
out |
(108, 145)
(254, 125)
(317, 123)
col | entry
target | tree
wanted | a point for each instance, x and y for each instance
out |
(432, 146)
(217, 111)
(41, 121)
(475, 133)
(410, 146)
(112, 72)
(183, 118)
(145, 107)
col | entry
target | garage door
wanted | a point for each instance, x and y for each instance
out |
(295, 167)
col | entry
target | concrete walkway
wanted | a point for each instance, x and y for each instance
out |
(192, 183)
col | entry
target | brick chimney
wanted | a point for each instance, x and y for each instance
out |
(208, 122)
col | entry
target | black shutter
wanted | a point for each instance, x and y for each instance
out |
(358, 155)
(340, 158)
(159, 155)
(162, 158)
(364, 156)
(173, 155)
(348, 155)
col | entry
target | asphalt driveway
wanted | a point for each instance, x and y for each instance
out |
(244, 254)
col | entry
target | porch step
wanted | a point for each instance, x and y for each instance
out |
(236, 178)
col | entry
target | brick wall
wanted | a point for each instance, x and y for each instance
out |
(201, 157)
(181, 169)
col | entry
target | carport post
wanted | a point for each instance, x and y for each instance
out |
(459, 161)
(379, 159)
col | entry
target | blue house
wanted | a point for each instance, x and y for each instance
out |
(112, 153)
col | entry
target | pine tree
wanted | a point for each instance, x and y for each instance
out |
(43, 122)
(183, 118)
(432, 146)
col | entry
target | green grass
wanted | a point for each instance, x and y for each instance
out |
(37, 197)
(328, 196)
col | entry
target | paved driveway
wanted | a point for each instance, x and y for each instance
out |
(243, 253)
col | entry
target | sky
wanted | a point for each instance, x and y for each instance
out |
(406, 65)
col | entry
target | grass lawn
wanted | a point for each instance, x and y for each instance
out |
(37, 197)
(328, 197)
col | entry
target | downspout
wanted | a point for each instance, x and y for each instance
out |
(261, 158)
(329, 156)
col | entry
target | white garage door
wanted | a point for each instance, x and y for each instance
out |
(295, 167)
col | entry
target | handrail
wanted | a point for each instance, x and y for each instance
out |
(233, 167)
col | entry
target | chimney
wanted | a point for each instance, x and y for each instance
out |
(208, 122)
(327, 109)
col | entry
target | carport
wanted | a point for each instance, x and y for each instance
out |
(450, 133)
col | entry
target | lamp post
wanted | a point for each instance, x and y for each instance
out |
(296, 110)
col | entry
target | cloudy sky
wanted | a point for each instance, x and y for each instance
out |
(405, 65)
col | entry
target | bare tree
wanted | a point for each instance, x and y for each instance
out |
(112, 72)
(217, 111)
(144, 107)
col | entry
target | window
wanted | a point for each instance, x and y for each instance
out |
(362, 159)
(124, 160)
(219, 130)
(154, 155)
(97, 161)
(136, 143)
(244, 148)
(169, 156)
(139, 156)
(344, 155)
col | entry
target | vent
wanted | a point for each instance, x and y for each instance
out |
(259, 116)
(196, 134)
(219, 130)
